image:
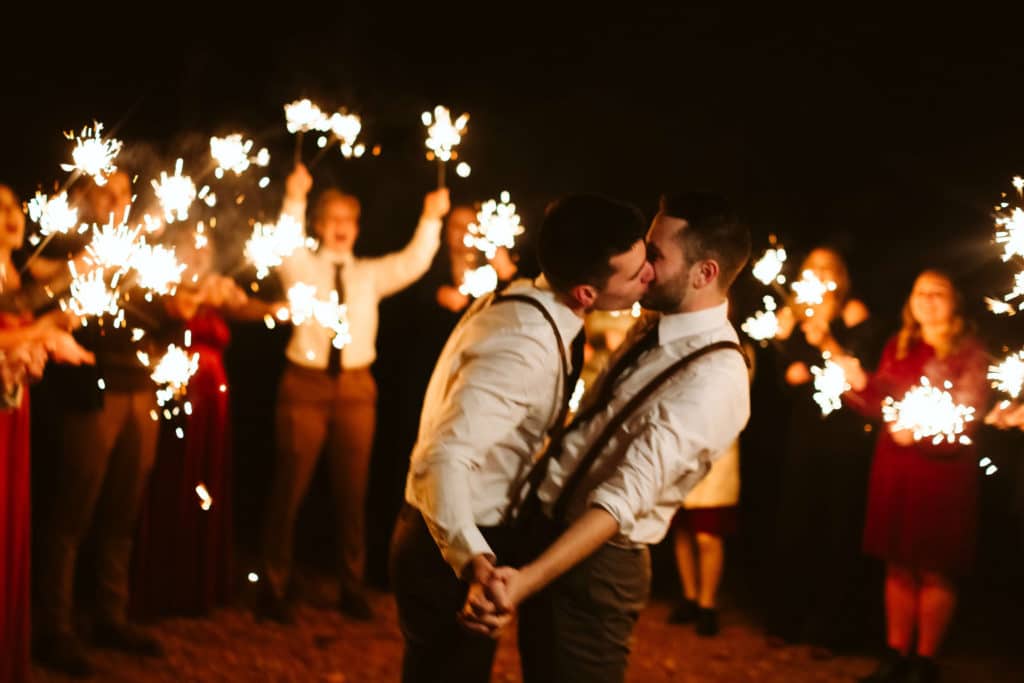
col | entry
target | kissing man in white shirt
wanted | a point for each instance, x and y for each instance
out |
(502, 381)
(636, 448)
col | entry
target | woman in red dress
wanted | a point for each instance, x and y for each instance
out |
(922, 498)
(184, 548)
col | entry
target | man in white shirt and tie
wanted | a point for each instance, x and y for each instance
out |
(634, 451)
(327, 395)
(501, 383)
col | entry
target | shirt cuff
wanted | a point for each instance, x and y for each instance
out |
(466, 544)
(615, 506)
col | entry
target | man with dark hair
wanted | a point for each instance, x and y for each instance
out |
(501, 383)
(674, 397)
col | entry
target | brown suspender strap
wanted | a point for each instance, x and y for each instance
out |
(590, 456)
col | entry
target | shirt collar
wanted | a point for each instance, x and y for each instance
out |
(569, 324)
(679, 325)
(345, 258)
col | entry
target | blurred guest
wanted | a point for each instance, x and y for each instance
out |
(24, 345)
(327, 395)
(822, 580)
(184, 548)
(108, 443)
(922, 500)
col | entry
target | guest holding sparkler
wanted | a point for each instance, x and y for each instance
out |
(24, 346)
(107, 447)
(184, 545)
(922, 499)
(327, 395)
(822, 581)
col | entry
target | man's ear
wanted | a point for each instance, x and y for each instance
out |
(584, 295)
(706, 273)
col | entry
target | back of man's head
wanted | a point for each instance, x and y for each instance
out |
(579, 236)
(713, 231)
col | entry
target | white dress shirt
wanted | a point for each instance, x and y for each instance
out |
(668, 443)
(366, 282)
(495, 391)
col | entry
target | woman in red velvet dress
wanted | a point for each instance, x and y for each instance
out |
(183, 553)
(922, 498)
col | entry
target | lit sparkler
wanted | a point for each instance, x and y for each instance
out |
(809, 290)
(763, 325)
(205, 499)
(93, 155)
(829, 385)
(930, 413)
(1012, 234)
(1008, 375)
(112, 246)
(497, 225)
(303, 305)
(768, 267)
(443, 136)
(175, 193)
(479, 281)
(52, 213)
(270, 243)
(90, 296)
(232, 154)
(173, 372)
(157, 268)
(302, 116)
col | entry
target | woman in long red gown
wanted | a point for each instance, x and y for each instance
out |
(183, 562)
(922, 498)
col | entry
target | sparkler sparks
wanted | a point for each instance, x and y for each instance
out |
(232, 154)
(157, 267)
(1018, 183)
(443, 135)
(810, 290)
(479, 281)
(829, 385)
(52, 213)
(271, 243)
(1008, 375)
(497, 225)
(93, 155)
(302, 116)
(205, 500)
(346, 127)
(304, 305)
(768, 267)
(999, 307)
(90, 296)
(112, 246)
(172, 374)
(1012, 234)
(763, 325)
(175, 193)
(930, 413)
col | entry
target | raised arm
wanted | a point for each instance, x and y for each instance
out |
(395, 271)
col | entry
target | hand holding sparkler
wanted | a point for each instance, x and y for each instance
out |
(443, 136)
(298, 183)
(856, 377)
(436, 204)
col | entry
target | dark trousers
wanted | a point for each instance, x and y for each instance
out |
(578, 629)
(315, 409)
(429, 596)
(107, 456)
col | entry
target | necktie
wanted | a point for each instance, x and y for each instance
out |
(333, 352)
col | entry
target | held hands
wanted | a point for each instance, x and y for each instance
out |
(493, 595)
(436, 204)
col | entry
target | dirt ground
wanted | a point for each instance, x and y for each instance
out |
(325, 647)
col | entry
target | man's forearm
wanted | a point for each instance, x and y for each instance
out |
(588, 533)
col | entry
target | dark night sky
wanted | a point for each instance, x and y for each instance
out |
(888, 135)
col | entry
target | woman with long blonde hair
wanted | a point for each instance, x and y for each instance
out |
(922, 498)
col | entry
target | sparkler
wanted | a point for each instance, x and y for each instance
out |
(999, 307)
(175, 193)
(1008, 375)
(1012, 234)
(763, 325)
(173, 372)
(157, 268)
(231, 153)
(90, 296)
(1018, 183)
(271, 243)
(93, 155)
(768, 268)
(443, 135)
(810, 291)
(479, 281)
(301, 116)
(112, 246)
(930, 413)
(497, 225)
(205, 500)
(53, 214)
(303, 305)
(829, 385)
